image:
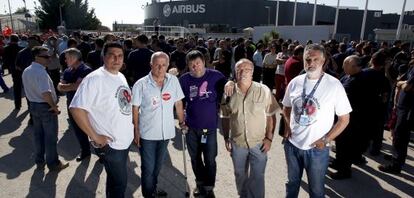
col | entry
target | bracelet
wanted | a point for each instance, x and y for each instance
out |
(269, 139)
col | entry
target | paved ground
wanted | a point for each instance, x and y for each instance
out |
(19, 178)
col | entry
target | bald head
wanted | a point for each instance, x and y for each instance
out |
(352, 65)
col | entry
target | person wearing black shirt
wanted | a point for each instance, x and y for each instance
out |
(404, 124)
(138, 62)
(9, 61)
(94, 58)
(177, 59)
(348, 143)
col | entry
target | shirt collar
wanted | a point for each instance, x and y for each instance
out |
(38, 65)
(151, 79)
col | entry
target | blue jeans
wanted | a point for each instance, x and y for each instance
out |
(45, 125)
(249, 169)
(116, 170)
(314, 161)
(203, 156)
(152, 156)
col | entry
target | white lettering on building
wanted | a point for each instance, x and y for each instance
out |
(184, 9)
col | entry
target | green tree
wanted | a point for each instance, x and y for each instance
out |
(21, 10)
(75, 14)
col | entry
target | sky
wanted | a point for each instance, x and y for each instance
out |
(131, 11)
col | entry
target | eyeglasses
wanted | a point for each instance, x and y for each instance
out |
(44, 56)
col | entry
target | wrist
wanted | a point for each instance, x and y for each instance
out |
(267, 138)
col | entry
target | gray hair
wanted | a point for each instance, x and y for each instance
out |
(244, 60)
(156, 55)
(316, 47)
(74, 52)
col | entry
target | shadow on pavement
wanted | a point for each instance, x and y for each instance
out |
(20, 159)
(41, 185)
(12, 122)
(80, 186)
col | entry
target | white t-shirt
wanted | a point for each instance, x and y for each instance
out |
(107, 99)
(280, 69)
(329, 99)
(269, 59)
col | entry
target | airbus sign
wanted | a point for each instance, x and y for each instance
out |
(183, 9)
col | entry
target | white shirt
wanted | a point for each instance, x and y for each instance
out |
(156, 112)
(269, 59)
(36, 81)
(280, 69)
(258, 59)
(107, 99)
(329, 99)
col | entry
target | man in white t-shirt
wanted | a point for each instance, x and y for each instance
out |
(310, 103)
(258, 63)
(102, 109)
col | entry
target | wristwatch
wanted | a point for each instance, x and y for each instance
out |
(326, 142)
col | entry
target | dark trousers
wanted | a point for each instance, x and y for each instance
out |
(17, 88)
(116, 170)
(152, 156)
(257, 74)
(269, 77)
(81, 136)
(403, 127)
(348, 146)
(203, 156)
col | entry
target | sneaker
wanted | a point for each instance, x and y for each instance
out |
(389, 168)
(340, 175)
(59, 167)
(160, 193)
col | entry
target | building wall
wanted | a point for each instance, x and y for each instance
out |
(239, 14)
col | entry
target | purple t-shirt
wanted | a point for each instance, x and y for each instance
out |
(202, 97)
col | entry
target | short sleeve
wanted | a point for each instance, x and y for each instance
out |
(85, 72)
(178, 91)
(137, 93)
(342, 105)
(286, 99)
(271, 104)
(224, 107)
(85, 95)
(43, 82)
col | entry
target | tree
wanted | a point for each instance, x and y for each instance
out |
(75, 14)
(21, 10)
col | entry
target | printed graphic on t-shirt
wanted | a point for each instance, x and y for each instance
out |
(307, 116)
(201, 91)
(123, 95)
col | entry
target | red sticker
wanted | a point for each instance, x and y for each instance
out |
(166, 96)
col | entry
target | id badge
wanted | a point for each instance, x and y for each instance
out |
(203, 139)
(303, 120)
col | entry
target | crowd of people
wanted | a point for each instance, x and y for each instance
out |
(129, 90)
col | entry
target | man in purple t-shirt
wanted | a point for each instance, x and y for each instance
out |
(203, 89)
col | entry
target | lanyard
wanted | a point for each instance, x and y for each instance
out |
(305, 97)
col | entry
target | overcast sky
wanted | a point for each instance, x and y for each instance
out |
(130, 11)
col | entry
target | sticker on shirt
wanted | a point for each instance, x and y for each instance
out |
(193, 92)
(123, 94)
(307, 116)
(166, 96)
(155, 102)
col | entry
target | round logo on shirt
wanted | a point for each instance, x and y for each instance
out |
(305, 115)
(124, 97)
(166, 96)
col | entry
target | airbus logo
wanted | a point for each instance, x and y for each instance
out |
(183, 9)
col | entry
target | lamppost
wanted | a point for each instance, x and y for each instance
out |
(268, 14)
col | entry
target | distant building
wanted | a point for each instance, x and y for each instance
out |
(234, 15)
(20, 23)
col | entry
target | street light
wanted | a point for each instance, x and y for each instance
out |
(268, 14)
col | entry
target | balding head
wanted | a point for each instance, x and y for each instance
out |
(352, 65)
